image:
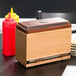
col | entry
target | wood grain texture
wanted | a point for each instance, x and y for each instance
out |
(49, 43)
(43, 42)
(43, 25)
(21, 47)
(43, 22)
(43, 29)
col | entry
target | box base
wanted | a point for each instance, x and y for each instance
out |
(47, 61)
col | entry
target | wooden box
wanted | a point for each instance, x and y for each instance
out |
(43, 41)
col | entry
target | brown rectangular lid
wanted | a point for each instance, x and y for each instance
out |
(43, 24)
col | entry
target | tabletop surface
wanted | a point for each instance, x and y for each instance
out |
(10, 67)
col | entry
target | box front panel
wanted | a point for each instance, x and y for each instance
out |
(48, 43)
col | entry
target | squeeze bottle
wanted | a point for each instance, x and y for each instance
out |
(8, 30)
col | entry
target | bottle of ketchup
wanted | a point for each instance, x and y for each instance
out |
(8, 42)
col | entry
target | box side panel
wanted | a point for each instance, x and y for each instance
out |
(21, 46)
(48, 43)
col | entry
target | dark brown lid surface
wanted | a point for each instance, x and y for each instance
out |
(43, 23)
